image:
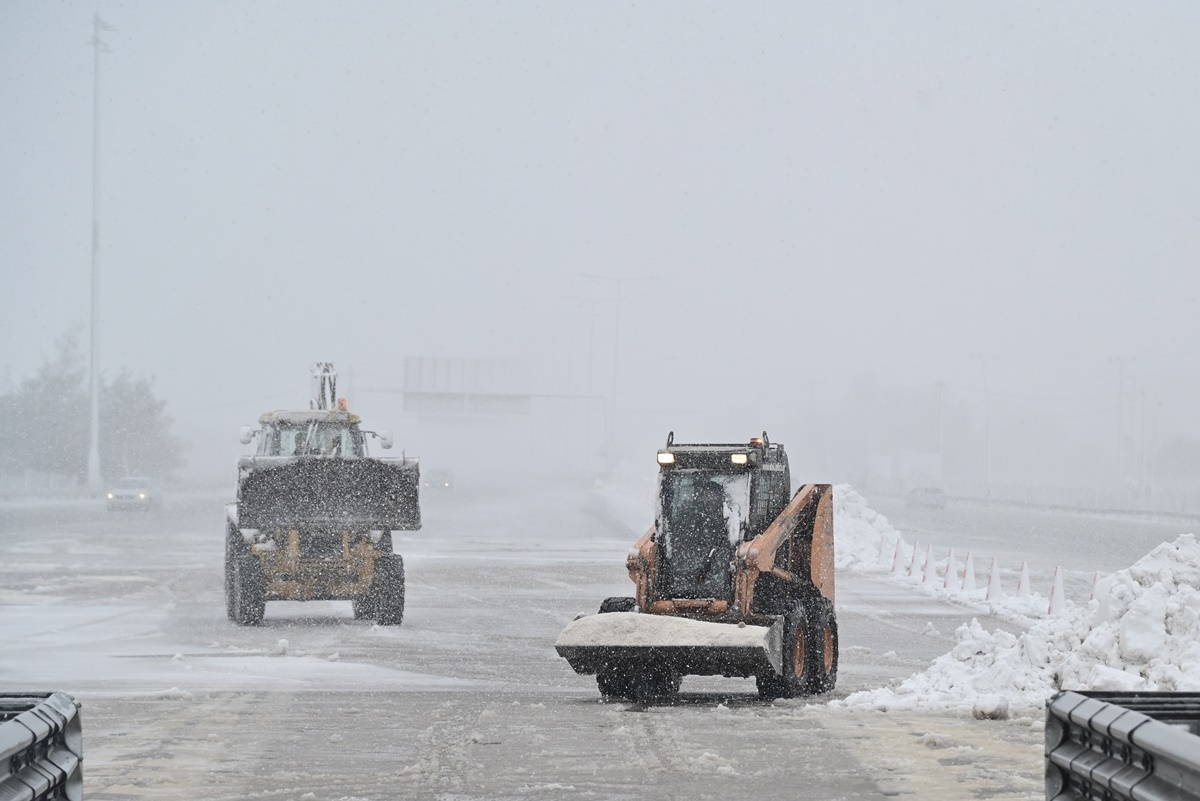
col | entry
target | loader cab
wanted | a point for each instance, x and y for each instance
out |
(711, 498)
(318, 433)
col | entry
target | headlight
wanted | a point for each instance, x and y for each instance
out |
(142, 495)
(739, 458)
(666, 458)
(110, 496)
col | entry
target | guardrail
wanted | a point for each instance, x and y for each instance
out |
(41, 747)
(1109, 745)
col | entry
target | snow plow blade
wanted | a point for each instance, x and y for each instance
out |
(596, 643)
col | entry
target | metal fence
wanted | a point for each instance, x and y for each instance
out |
(41, 747)
(1108, 745)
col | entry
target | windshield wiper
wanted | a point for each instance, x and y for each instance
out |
(704, 568)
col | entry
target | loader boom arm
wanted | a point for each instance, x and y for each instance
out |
(774, 551)
(642, 564)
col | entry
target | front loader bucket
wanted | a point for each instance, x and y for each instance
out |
(618, 640)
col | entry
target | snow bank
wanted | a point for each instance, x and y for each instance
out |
(858, 531)
(1141, 633)
(865, 542)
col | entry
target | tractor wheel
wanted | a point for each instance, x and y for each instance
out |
(804, 653)
(827, 650)
(249, 591)
(235, 546)
(387, 590)
(614, 683)
(618, 605)
(364, 607)
(655, 685)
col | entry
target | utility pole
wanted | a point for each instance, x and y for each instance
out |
(98, 46)
(941, 450)
(590, 304)
(1142, 455)
(612, 407)
(987, 429)
(1123, 448)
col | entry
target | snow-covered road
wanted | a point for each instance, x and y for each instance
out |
(467, 699)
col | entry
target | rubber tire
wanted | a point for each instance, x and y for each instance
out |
(249, 591)
(806, 621)
(658, 685)
(638, 683)
(618, 604)
(387, 590)
(235, 546)
(614, 683)
(364, 607)
(827, 678)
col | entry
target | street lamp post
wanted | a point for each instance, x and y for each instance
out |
(93, 468)
(987, 428)
(612, 406)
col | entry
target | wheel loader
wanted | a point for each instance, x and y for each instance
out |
(734, 578)
(315, 513)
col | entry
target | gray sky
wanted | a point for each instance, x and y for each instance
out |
(822, 196)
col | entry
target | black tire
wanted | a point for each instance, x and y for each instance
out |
(234, 547)
(657, 685)
(364, 607)
(614, 683)
(828, 649)
(618, 605)
(805, 628)
(387, 590)
(249, 591)
(638, 683)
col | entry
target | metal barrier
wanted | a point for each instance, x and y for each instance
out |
(1110, 745)
(41, 747)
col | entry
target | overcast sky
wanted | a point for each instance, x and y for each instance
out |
(813, 197)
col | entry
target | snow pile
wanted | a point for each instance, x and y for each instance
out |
(1142, 633)
(1145, 632)
(858, 531)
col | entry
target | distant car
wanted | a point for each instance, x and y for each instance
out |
(134, 492)
(927, 498)
(438, 480)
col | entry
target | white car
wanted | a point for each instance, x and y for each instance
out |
(134, 492)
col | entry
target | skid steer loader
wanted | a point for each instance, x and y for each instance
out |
(735, 578)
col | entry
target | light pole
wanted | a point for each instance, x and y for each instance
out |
(591, 349)
(93, 474)
(612, 406)
(987, 429)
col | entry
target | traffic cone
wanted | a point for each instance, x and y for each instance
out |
(994, 589)
(912, 566)
(1057, 598)
(968, 581)
(1023, 581)
(951, 580)
(930, 569)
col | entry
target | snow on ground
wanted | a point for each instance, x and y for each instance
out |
(1141, 633)
(865, 542)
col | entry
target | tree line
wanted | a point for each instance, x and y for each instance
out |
(45, 422)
